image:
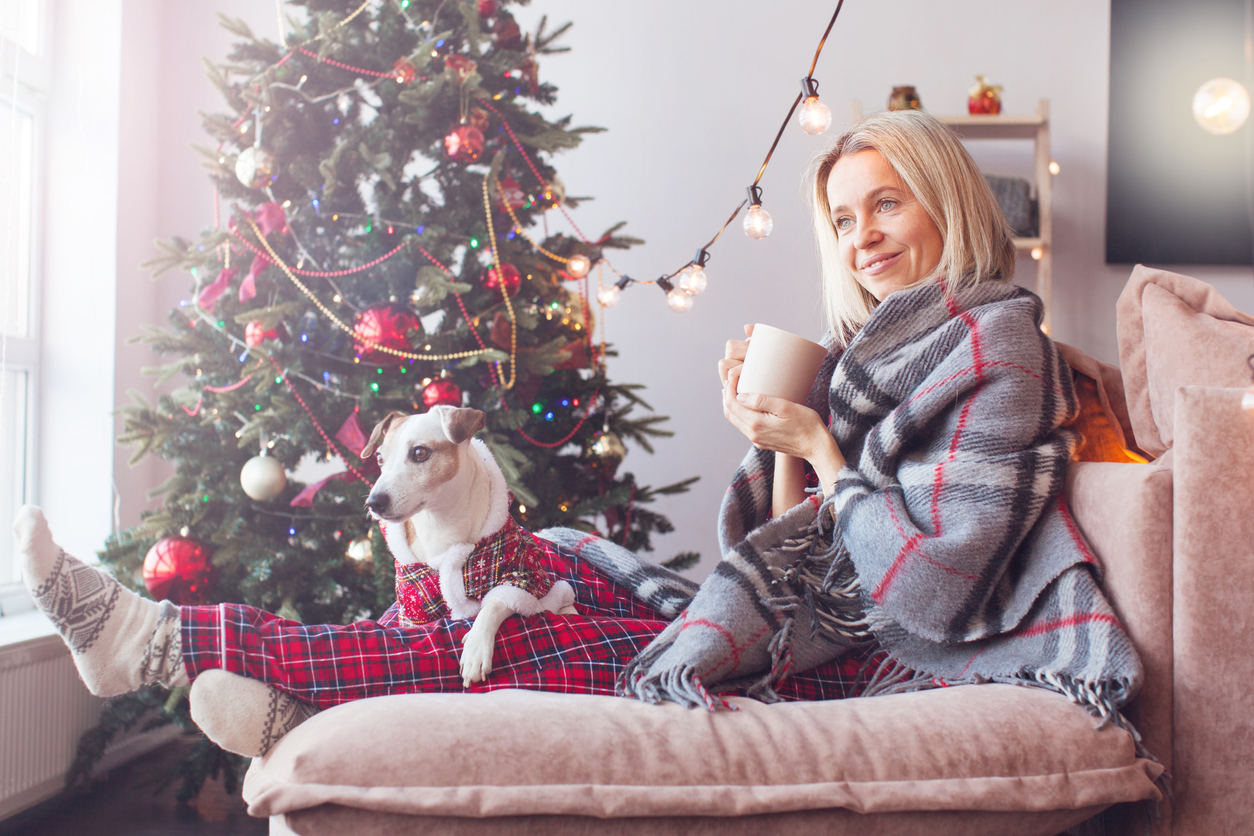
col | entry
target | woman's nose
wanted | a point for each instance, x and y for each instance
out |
(868, 233)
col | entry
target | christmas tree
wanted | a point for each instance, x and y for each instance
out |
(380, 179)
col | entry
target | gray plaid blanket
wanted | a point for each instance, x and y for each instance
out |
(946, 540)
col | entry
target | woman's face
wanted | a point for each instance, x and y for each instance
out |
(885, 237)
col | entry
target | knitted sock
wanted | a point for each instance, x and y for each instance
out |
(120, 641)
(243, 715)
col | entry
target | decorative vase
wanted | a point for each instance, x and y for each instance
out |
(904, 98)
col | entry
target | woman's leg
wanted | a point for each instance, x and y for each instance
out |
(120, 641)
(326, 665)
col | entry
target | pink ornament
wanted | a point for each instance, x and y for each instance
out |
(270, 217)
(211, 293)
(248, 287)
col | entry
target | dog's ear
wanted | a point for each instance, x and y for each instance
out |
(381, 430)
(460, 423)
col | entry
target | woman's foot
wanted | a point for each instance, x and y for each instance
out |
(120, 641)
(243, 715)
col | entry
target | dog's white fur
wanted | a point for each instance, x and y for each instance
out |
(436, 511)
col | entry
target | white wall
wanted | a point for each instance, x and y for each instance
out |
(692, 94)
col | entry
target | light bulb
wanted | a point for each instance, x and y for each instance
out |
(609, 296)
(692, 280)
(1221, 105)
(679, 301)
(758, 223)
(578, 266)
(815, 117)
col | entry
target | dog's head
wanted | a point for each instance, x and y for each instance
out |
(417, 455)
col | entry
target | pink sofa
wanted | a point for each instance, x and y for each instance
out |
(1175, 537)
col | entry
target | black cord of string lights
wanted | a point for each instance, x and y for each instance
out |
(809, 88)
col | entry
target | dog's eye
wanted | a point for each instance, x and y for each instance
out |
(419, 454)
(378, 457)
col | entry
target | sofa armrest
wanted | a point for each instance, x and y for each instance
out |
(1213, 612)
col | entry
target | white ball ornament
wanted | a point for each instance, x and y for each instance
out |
(255, 168)
(263, 478)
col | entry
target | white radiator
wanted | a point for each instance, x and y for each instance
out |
(44, 708)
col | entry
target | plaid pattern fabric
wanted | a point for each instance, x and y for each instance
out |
(510, 557)
(330, 664)
(945, 536)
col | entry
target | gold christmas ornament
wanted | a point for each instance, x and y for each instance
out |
(360, 551)
(605, 450)
(255, 168)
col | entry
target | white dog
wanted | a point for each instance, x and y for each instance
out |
(441, 501)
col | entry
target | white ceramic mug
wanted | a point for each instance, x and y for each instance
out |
(780, 364)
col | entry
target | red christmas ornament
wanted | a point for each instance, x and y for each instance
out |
(255, 333)
(984, 98)
(461, 65)
(442, 391)
(404, 71)
(509, 275)
(464, 144)
(178, 569)
(477, 118)
(383, 325)
(506, 33)
(487, 8)
(514, 195)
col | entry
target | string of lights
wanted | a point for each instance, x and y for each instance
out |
(690, 279)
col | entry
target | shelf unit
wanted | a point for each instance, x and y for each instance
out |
(1033, 127)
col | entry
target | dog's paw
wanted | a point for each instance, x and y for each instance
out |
(569, 609)
(476, 657)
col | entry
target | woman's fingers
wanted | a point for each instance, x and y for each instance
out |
(733, 355)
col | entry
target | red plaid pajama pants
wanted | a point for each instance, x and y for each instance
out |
(326, 664)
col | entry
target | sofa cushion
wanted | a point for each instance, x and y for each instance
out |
(511, 752)
(1176, 331)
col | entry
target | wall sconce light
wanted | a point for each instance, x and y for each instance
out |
(1221, 105)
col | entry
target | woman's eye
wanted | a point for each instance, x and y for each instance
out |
(887, 204)
(843, 223)
(419, 454)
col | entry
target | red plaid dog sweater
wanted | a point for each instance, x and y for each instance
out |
(509, 560)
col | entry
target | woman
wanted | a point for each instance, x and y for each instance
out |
(940, 542)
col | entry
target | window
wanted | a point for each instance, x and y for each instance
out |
(24, 77)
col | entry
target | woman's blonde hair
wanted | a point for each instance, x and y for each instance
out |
(947, 183)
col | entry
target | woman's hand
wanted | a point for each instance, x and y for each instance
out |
(779, 425)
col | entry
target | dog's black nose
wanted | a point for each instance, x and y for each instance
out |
(378, 502)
